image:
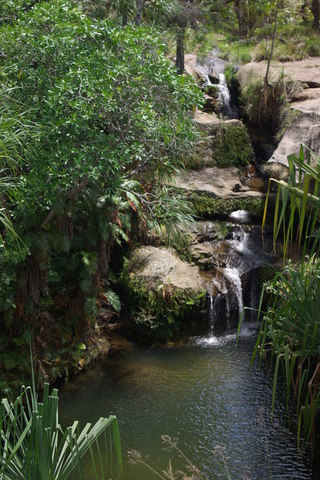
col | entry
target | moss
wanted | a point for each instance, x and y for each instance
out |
(161, 311)
(265, 107)
(206, 206)
(231, 145)
(233, 83)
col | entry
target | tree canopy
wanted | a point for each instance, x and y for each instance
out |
(98, 112)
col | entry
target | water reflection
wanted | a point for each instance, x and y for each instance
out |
(204, 395)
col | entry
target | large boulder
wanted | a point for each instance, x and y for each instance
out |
(216, 192)
(223, 143)
(192, 67)
(305, 130)
(305, 106)
(305, 72)
(166, 293)
(217, 182)
(160, 265)
(206, 121)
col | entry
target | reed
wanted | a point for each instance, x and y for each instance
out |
(34, 446)
(290, 325)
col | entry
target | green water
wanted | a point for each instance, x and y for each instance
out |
(202, 394)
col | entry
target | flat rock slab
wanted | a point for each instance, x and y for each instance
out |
(305, 130)
(306, 94)
(304, 71)
(162, 265)
(208, 122)
(310, 106)
(215, 181)
(192, 68)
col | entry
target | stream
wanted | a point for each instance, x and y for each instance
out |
(201, 393)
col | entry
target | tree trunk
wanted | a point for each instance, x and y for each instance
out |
(124, 19)
(272, 45)
(139, 12)
(180, 50)
(239, 10)
(316, 13)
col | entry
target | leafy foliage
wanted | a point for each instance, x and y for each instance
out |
(34, 445)
(300, 194)
(160, 310)
(99, 119)
(290, 331)
(290, 325)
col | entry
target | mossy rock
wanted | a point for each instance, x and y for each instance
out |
(159, 312)
(231, 145)
(222, 144)
(161, 306)
(210, 207)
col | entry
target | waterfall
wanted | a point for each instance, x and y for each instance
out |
(236, 262)
(233, 275)
(224, 96)
(213, 62)
(214, 301)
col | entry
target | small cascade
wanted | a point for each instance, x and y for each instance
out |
(211, 313)
(236, 262)
(214, 301)
(233, 275)
(225, 97)
(217, 65)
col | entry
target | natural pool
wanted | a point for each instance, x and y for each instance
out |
(201, 393)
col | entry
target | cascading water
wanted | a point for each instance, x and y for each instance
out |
(225, 97)
(216, 64)
(236, 261)
(233, 275)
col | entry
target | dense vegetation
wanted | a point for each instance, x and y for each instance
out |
(93, 118)
(290, 324)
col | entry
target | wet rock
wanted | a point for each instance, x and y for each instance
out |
(208, 231)
(214, 77)
(210, 104)
(212, 91)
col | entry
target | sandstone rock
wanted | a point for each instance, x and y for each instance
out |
(304, 71)
(306, 94)
(192, 68)
(167, 295)
(305, 103)
(203, 151)
(214, 181)
(155, 265)
(206, 121)
(305, 130)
